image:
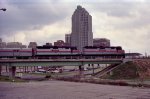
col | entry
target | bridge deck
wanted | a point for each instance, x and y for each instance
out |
(26, 60)
(56, 62)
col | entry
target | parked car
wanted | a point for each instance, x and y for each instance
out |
(55, 71)
(40, 71)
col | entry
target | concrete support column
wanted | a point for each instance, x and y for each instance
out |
(31, 69)
(25, 69)
(81, 70)
(93, 68)
(12, 71)
(6, 69)
(0, 70)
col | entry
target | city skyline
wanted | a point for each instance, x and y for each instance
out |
(125, 23)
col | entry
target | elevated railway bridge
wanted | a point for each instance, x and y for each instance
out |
(13, 63)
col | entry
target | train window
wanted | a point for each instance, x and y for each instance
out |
(16, 50)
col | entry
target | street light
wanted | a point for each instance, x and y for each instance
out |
(3, 9)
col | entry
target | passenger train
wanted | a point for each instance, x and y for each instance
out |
(54, 52)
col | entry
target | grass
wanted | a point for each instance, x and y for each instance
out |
(127, 71)
(104, 81)
(52, 74)
(8, 79)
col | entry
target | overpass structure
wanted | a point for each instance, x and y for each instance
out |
(13, 63)
(57, 62)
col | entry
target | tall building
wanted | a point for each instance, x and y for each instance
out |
(101, 42)
(81, 28)
(68, 39)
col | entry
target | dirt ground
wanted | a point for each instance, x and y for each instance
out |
(69, 90)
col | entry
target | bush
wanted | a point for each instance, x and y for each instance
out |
(48, 76)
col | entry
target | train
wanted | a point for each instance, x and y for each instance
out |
(64, 52)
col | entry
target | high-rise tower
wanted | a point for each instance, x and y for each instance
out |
(81, 29)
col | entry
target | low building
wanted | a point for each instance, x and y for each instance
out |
(32, 45)
(59, 43)
(2, 44)
(0, 40)
(133, 55)
(15, 45)
(101, 42)
(48, 44)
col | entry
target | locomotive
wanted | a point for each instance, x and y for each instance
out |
(54, 52)
(103, 52)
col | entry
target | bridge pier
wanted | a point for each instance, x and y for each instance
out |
(6, 69)
(12, 71)
(81, 71)
(93, 68)
(0, 70)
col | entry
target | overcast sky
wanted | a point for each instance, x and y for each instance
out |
(125, 22)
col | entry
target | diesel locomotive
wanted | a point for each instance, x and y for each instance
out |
(54, 52)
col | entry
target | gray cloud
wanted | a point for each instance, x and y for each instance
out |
(124, 22)
(27, 15)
